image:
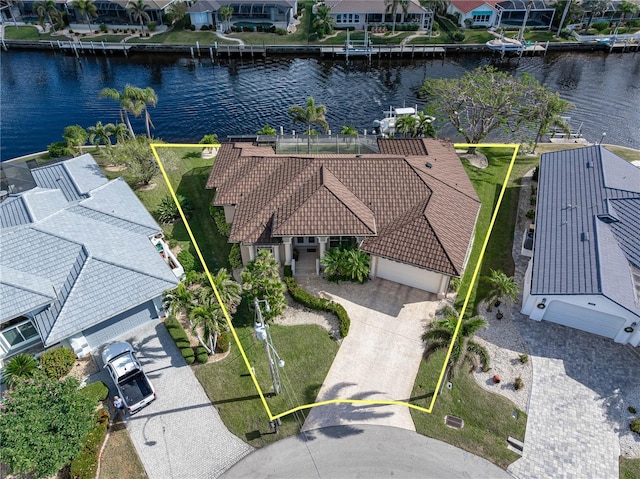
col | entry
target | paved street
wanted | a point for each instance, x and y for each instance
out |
(379, 359)
(180, 434)
(364, 451)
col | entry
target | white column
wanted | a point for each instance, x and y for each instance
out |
(323, 245)
(276, 253)
(288, 250)
(252, 252)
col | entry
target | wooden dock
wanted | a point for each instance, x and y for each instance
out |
(380, 50)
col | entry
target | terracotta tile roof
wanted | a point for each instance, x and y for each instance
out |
(466, 6)
(413, 201)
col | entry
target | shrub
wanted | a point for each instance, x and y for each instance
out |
(223, 341)
(287, 271)
(192, 28)
(172, 323)
(57, 362)
(188, 355)
(204, 27)
(532, 200)
(600, 26)
(187, 260)
(524, 359)
(103, 28)
(151, 26)
(235, 256)
(635, 426)
(85, 464)
(457, 37)
(202, 356)
(168, 212)
(454, 284)
(59, 149)
(281, 31)
(19, 367)
(217, 213)
(518, 384)
(536, 172)
(96, 391)
(530, 214)
(566, 34)
(631, 409)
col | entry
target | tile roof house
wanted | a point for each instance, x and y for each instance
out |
(411, 206)
(361, 13)
(77, 261)
(502, 13)
(585, 270)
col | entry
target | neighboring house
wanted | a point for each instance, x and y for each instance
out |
(511, 14)
(479, 13)
(585, 270)
(496, 13)
(280, 13)
(77, 261)
(411, 206)
(361, 13)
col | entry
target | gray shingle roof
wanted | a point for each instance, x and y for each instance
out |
(95, 252)
(22, 292)
(575, 252)
(13, 212)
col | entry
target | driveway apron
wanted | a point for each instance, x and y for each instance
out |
(380, 357)
(180, 434)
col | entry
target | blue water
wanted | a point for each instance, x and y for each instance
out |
(42, 92)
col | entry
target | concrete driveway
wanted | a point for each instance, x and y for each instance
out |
(180, 434)
(379, 359)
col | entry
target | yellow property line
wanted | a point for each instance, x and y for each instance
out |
(271, 416)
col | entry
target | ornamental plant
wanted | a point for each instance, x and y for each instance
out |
(57, 362)
(42, 424)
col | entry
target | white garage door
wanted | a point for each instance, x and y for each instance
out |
(585, 319)
(409, 275)
(108, 330)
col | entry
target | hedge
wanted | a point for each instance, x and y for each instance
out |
(188, 355)
(201, 354)
(96, 391)
(85, 464)
(223, 341)
(319, 304)
(181, 339)
(57, 362)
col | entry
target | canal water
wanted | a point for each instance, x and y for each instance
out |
(42, 92)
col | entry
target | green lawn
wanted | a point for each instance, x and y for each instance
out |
(477, 36)
(341, 38)
(488, 418)
(231, 389)
(179, 37)
(487, 183)
(629, 468)
(107, 38)
(27, 32)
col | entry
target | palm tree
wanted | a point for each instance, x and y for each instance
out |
(391, 6)
(178, 300)
(407, 125)
(225, 15)
(119, 131)
(87, 10)
(424, 125)
(322, 24)
(209, 140)
(149, 98)
(101, 134)
(625, 8)
(266, 130)
(133, 100)
(229, 290)
(209, 319)
(261, 280)
(440, 335)
(502, 287)
(439, 7)
(350, 264)
(138, 10)
(348, 130)
(46, 9)
(596, 8)
(311, 115)
(19, 367)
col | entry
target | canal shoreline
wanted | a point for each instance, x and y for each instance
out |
(225, 50)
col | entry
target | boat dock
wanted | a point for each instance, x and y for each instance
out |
(383, 50)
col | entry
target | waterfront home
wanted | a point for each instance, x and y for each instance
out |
(585, 269)
(505, 14)
(411, 206)
(362, 13)
(79, 258)
(277, 13)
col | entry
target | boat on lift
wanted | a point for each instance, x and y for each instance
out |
(387, 125)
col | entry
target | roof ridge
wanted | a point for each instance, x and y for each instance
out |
(437, 236)
(4, 280)
(103, 213)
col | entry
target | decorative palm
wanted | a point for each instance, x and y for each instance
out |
(119, 131)
(309, 116)
(19, 367)
(178, 300)
(133, 100)
(209, 319)
(229, 290)
(502, 287)
(261, 280)
(266, 130)
(348, 130)
(225, 14)
(465, 350)
(349, 264)
(101, 134)
(138, 10)
(424, 125)
(407, 125)
(391, 6)
(46, 9)
(87, 10)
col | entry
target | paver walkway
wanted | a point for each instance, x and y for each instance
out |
(180, 434)
(577, 406)
(379, 359)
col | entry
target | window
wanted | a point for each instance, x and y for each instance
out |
(16, 332)
(481, 18)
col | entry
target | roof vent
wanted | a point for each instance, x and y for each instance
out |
(608, 219)
(588, 164)
(429, 165)
(584, 236)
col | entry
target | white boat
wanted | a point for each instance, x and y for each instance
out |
(168, 256)
(505, 45)
(387, 126)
